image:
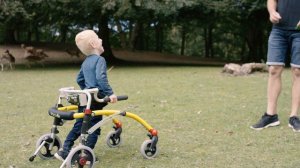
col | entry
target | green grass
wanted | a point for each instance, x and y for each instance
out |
(202, 116)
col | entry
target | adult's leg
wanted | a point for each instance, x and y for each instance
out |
(277, 48)
(295, 91)
(295, 63)
(274, 88)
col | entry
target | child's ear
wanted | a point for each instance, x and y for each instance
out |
(93, 43)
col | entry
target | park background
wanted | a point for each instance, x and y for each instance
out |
(231, 30)
(167, 55)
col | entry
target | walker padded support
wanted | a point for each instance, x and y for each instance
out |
(66, 115)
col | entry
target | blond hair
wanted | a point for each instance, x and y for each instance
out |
(83, 40)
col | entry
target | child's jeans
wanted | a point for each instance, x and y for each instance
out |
(76, 130)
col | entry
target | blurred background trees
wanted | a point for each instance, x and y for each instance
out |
(231, 30)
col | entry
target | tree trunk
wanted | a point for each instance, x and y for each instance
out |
(18, 35)
(63, 31)
(29, 35)
(137, 37)
(243, 51)
(9, 35)
(208, 40)
(122, 35)
(37, 34)
(183, 38)
(158, 37)
(130, 34)
(133, 35)
(206, 53)
(104, 35)
(256, 24)
(255, 42)
(146, 37)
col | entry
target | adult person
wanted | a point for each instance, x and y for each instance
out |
(284, 39)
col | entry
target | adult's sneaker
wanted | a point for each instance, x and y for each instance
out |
(61, 155)
(266, 121)
(294, 123)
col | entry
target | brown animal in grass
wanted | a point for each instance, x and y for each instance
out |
(74, 52)
(234, 69)
(7, 59)
(4, 61)
(33, 56)
(249, 68)
(28, 50)
(245, 69)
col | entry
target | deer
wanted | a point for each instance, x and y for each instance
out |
(32, 55)
(74, 52)
(7, 59)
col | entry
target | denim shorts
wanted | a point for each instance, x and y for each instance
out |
(281, 43)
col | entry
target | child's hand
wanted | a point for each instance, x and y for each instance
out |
(113, 98)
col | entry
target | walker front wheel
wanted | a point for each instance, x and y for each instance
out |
(148, 150)
(81, 157)
(49, 148)
(113, 140)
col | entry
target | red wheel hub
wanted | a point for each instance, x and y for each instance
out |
(82, 161)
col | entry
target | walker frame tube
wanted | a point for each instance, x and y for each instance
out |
(112, 112)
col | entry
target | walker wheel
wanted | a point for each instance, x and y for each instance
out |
(45, 152)
(147, 151)
(112, 140)
(81, 157)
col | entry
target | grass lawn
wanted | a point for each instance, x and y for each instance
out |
(202, 116)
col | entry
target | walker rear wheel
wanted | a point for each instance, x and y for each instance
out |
(147, 151)
(112, 140)
(45, 152)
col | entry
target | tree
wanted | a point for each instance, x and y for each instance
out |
(12, 16)
(253, 19)
(223, 29)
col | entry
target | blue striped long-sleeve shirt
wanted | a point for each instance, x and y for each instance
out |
(92, 74)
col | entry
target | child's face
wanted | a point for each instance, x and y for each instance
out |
(99, 46)
(96, 44)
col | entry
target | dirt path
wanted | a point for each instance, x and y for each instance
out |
(156, 57)
(59, 55)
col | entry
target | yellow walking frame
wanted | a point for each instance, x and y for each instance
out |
(148, 127)
(82, 155)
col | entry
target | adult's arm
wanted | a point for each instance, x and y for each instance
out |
(272, 8)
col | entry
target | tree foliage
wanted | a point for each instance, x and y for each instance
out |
(216, 29)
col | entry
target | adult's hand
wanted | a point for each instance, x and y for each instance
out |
(275, 17)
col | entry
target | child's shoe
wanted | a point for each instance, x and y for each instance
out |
(61, 155)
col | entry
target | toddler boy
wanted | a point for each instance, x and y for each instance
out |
(91, 75)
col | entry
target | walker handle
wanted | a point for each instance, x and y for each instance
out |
(122, 97)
